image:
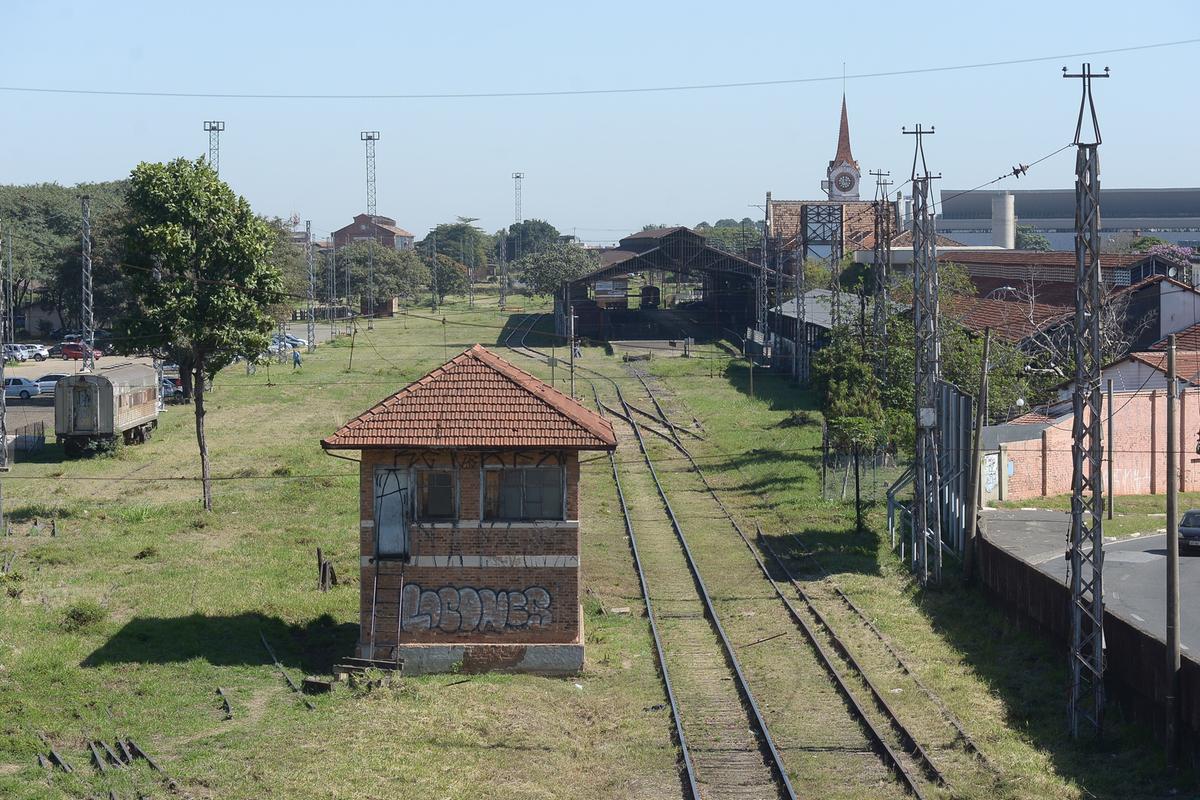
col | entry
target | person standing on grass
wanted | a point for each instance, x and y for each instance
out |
(295, 359)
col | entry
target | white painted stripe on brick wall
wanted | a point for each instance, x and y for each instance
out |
(553, 524)
(366, 524)
(478, 561)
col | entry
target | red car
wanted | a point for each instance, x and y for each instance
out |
(74, 350)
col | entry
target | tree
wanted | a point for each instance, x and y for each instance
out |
(1143, 244)
(543, 272)
(447, 277)
(1028, 238)
(463, 242)
(398, 273)
(528, 237)
(199, 274)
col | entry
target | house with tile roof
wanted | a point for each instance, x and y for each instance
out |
(382, 229)
(469, 520)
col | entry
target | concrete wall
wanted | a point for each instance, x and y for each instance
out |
(470, 581)
(1042, 466)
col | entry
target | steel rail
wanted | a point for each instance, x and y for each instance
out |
(916, 751)
(968, 743)
(766, 741)
(689, 773)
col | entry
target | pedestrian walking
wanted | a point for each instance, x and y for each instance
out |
(295, 359)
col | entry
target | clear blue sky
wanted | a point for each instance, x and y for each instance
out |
(596, 165)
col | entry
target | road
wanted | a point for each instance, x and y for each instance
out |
(1135, 569)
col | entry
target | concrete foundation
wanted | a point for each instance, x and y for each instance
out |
(538, 659)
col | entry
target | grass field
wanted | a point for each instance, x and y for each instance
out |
(128, 621)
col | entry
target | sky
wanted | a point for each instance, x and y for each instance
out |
(596, 165)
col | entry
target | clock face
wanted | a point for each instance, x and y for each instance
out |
(844, 182)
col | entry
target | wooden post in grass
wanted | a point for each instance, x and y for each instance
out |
(976, 456)
(1171, 694)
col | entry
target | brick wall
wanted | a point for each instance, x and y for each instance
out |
(1042, 466)
(469, 580)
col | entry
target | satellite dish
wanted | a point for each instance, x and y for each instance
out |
(1172, 272)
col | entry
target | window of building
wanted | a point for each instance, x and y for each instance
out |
(436, 494)
(523, 493)
(391, 513)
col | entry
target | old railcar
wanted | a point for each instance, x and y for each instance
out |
(95, 408)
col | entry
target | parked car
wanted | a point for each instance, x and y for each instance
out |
(290, 340)
(55, 350)
(14, 352)
(75, 351)
(46, 382)
(37, 352)
(169, 389)
(1189, 530)
(21, 387)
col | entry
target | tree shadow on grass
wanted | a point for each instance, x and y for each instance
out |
(521, 330)
(228, 641)
(779, 392)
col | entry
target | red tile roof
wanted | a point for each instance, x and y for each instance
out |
(477, 400)
(1032, 418)
(1186, 339)
(1011, 319)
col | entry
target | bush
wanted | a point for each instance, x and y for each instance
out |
(83, 614)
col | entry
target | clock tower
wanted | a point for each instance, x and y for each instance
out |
(843, 173)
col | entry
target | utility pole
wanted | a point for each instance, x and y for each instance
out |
(1108, 409)
(981, 406)
(332, 256)
(1085, 705)
(571, 311)
(312, 287)
(518, 217)
(1171, 695)
(883, 269)
(433, 263)
(369, 138)
(9, 300)
(926, 510)
(4, 323)
(85, 316)
(214, 127)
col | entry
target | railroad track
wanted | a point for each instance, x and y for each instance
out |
(908, 757)
(718, 759)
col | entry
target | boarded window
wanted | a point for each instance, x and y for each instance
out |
(523, 493)
(435, 494)
(391, 513)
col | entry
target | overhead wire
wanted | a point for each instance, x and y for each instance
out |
(623, 90)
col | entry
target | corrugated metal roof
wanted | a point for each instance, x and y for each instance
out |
(477, 400)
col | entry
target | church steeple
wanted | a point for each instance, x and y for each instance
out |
(843, 146)
(843, 173)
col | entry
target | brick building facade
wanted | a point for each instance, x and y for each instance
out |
(1039, 463)
(385, 231)
(469, 520)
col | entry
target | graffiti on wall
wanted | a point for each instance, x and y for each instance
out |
(464, 609)
(991, 472)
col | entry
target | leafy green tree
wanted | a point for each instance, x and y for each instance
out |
(462, 242)
(1143, 244)
(529, 237)
(447, 277)
(1028, 238)
(398, 273)
(543, 272)
(199, 275)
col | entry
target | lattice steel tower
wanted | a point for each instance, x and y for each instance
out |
(369, 138)
(214, 128)
(1086, 547)
(86, 319)
(312, 287)
(883, 268)
(926, 511)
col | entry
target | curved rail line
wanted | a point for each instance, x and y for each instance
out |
(919, 756)
(968, 743)
(754, 716)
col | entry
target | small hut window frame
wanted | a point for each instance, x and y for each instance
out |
(447, 479)
(520, 493)
(392, 511)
